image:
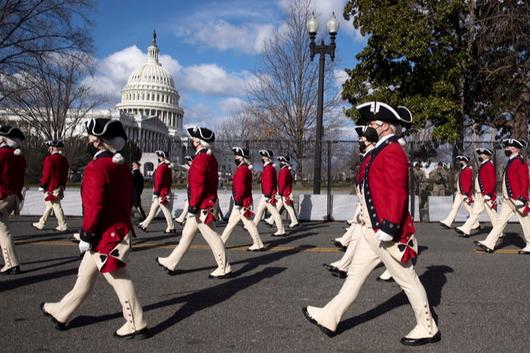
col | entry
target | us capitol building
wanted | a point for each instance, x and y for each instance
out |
(149, 111)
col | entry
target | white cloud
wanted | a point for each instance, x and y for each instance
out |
(220, 34)
(323, 10)
(201, 114)
(231, 105)
(211, 79)
(113, 71)
(340, 77)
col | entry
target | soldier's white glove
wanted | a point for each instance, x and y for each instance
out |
(518, 203)
(487, 197)
(83, 246)
(41, 189)
(382, 236)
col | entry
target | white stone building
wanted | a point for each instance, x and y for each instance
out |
(149, 110)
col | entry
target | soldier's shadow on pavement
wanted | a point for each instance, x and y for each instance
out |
(512, 239)
(266, 258)
(209, 297)
(204, 298)
(24, 281)
(35, 238)
(433, 280)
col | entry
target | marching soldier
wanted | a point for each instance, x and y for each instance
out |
(138, 188)
(438, 177)
(106, 195)
(242, 194)
(268, 188)
(485, 192)
(161, 192)
(52, 184)
(464, 193)
(182, 218)
(515, 197)
(365, 146)
(202, 197)
(387, 230)
(367, 140)
(285, 192)
(12, 169)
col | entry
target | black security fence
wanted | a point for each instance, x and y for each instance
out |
(341, 158)
(433, 170)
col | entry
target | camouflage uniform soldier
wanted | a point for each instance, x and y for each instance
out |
(421, 189)
(438, 178)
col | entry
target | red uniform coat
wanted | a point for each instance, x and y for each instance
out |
(106, 195)
(12, 169)
(465, 181)
(386, 193)
(202, 182)
(242, 186)
(54, 174)
(516, 179)
(268, 180)
(162, 180)
(487, 180)
(285, 182)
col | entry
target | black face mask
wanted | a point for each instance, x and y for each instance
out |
(91, 149)
(371, 135)
(263, 161)
(462, 165)
(480, 159)
(237, 162)
(507, 153)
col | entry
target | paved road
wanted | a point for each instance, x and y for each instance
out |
(481, 299)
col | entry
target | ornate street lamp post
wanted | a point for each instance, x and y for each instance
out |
(322, 49)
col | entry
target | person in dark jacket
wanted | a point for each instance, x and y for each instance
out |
(138, 187)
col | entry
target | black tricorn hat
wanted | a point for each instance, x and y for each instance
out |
(514, 143)
(483, 150)
(11, 132)
(266, 153)
(55, 143)
(371, 111)
(240, 151)
(462, 158)
(360, 130)
(284, 159)
(163, 154)
(105, 128)
(202, 133)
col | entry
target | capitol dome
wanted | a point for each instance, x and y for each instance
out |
(150, 91)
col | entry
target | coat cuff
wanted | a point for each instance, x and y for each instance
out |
(389, 227)
(89, 237)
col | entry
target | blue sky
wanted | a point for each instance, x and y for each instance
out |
(210, 47)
